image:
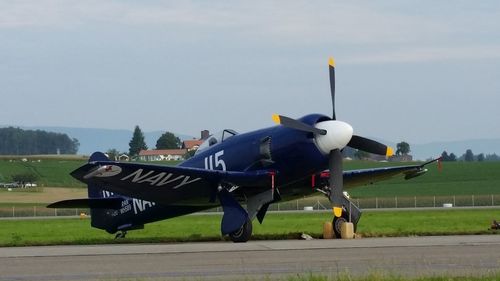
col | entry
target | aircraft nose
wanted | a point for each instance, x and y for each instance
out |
(338, 135)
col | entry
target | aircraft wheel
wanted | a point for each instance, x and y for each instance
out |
(120, 234)
(338, 221)
(243, 234)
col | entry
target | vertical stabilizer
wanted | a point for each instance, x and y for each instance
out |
(100, 218)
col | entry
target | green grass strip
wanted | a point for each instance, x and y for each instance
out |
(275, 226)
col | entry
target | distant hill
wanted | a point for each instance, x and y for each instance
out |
(92, 139)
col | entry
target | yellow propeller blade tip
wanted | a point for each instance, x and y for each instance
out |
(389, 152)
(331, 62)
(337, 212)
(276, 119)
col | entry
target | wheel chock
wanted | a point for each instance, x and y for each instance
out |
(328, 230)
(347, 230)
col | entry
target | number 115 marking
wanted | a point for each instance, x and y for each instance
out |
(213, 164)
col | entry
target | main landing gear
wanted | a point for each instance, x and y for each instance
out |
(243, 234)
(338, 221)
(350, 213)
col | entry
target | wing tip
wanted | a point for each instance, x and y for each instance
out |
(331, 62)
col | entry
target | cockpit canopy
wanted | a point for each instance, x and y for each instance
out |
(216, 138)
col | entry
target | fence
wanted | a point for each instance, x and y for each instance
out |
(395, 202)
(317, 203)
(38, 211)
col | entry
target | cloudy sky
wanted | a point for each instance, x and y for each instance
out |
(418, 71)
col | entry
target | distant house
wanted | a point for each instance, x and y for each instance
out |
(191, 145)
(123, 157)
(376, 157)
(162, 155)
(401, 158)
(194, 144)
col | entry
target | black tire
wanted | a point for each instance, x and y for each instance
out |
(120, 235)
(337, 223)
(243, 234)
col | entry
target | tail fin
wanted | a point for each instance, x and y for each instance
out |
(106, 209)
(95, 191)
(101, 217)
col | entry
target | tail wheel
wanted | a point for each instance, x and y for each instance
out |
(120, 234)
(243, 234)
(337, 223)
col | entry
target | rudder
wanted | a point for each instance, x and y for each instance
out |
(100, 217)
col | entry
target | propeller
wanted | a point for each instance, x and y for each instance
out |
(336, 181)
(294, 124)
(331, 70)
(331, 137)
(371, 146)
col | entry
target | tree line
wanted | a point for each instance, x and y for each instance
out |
(16, 141)
(469, 156)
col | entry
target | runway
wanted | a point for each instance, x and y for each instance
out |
(406, 256)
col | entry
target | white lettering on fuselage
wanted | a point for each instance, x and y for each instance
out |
(159, 179)
(107, 194)
(138, 204)
(125, 209)
(141, 205)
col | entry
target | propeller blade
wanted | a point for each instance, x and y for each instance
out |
(336, 181)
(297, 125)
(371, 146)
(331, 67)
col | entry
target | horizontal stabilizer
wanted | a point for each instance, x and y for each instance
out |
(93, 203)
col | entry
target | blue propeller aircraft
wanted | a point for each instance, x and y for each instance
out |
(296, 158)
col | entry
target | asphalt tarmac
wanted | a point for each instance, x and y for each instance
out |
(403, 256)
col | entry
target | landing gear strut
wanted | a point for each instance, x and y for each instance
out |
(121, 234)
(243, 234)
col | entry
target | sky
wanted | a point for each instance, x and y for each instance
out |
(418, 71)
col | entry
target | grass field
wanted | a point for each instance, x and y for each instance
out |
(275, 226)
(50, 171)
(455, 178)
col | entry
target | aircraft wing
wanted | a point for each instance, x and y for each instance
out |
(368, 176)
(164, 184)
